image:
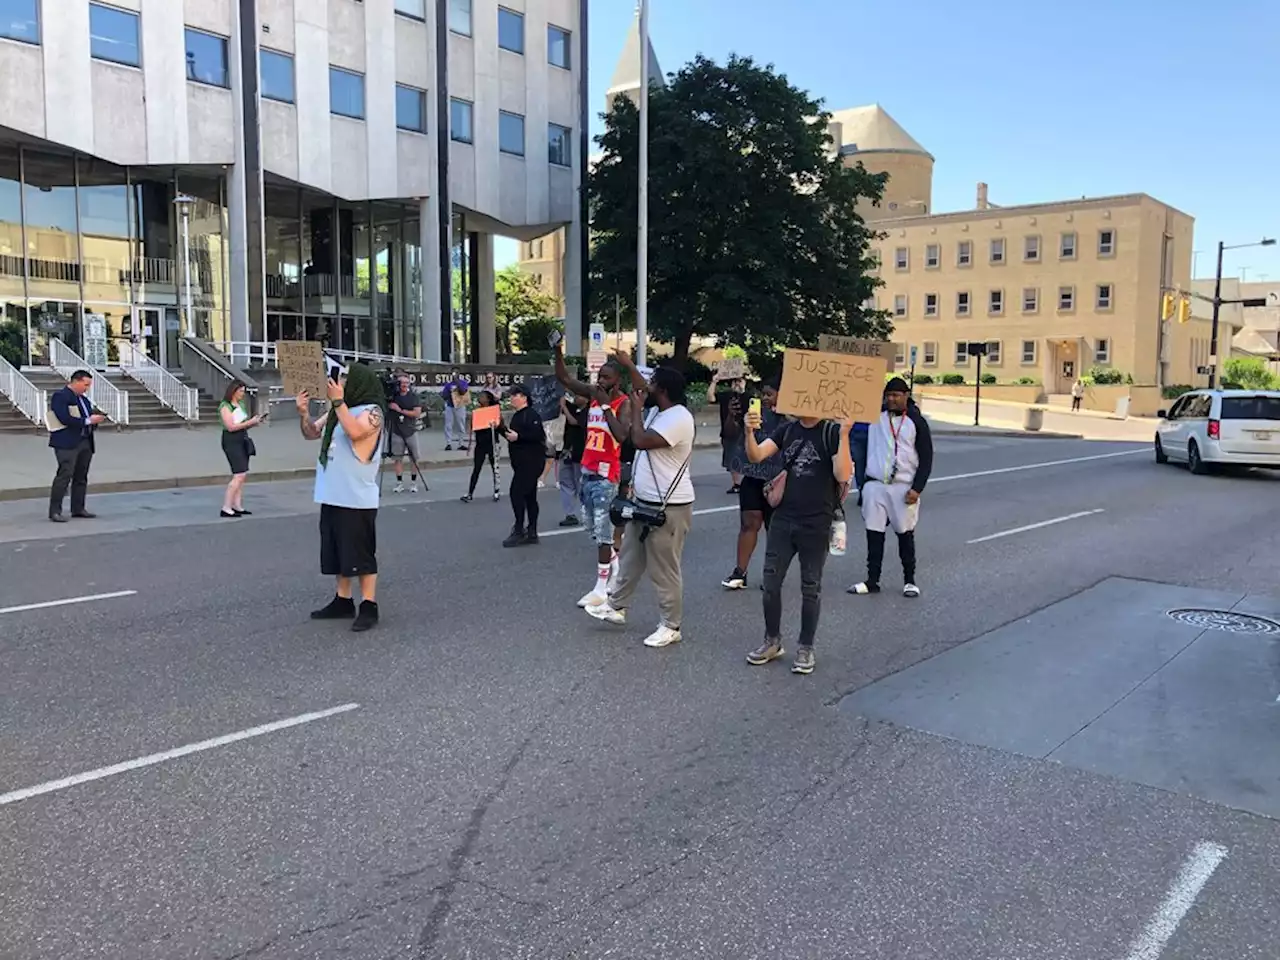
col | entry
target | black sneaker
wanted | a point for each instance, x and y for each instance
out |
(367, 618)
(339, 608)
(531, 537)
(767, 652)
(515, 538)
(465, 498)
(864, 588)
(570, 521)
(733, 490)
(448, 447)
(735, 581)
(804, 661)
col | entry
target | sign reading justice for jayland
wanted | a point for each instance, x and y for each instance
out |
(832, 386)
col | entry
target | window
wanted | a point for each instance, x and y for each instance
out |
(1106, 243)
(994, 352)
(899, 355)
(930, 304)
(559, 145)
(20, 20)
(510, 30)
(558, 47)
(511, 133)
(1102, 351)
(460, 120)
(1250, 408)
(962, 303)
(964, 253)
(113, 35)
(1031, 249)
(1103, 299)
(411, 109)
(346, 93)
(962, 353)
(277, 75)
(1028, 351)
(995, 304)
(412, 8)
(930, 353)
(932, 256)
(460, 18)
(207, 58)
(900, 305)
(1066, 298)
(1030, 299)
(997, 250)
(902, 258)
(1067, 246)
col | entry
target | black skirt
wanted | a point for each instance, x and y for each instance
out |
(238, 449)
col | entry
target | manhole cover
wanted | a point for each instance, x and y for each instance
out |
(1226, 620)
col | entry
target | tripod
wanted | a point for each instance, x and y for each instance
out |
(389, 454)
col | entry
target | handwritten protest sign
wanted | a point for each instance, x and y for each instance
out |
(302, 367)
(482, 417)
(855, 347)
(732, 368)
(831, 386)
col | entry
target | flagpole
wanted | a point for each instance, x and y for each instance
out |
(642, 227)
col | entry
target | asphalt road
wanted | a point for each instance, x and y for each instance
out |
(518, 781)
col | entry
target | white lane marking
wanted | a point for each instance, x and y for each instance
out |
(1195, 873)
(149, 761)
(1037, 526)
(67, 602)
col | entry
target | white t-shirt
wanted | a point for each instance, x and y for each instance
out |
(655, 470)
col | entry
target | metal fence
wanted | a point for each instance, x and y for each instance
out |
(103, 394)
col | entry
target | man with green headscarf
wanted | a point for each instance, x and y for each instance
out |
(350, 436)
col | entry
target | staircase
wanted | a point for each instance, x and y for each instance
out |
(208, 404)
(13, 421)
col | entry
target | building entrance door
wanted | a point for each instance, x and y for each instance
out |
(1066, 365)
(156, 332)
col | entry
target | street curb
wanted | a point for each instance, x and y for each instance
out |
(1011, 433)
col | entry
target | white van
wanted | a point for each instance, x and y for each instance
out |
(1208, 428)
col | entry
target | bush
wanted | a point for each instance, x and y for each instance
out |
(693, 370)
(922, 379)
(1250, 372)
(953, 379)
(533, 332)
(1174, 391)
(988, 378)
(1104, 376)
(1027, 381)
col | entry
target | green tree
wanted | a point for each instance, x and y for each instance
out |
(1250, 373)
(13, 342)
(519, 298)
(754, 236)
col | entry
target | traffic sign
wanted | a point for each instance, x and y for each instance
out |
(596, 336)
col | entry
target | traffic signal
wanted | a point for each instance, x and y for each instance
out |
(1166, 312)
(1184, 310)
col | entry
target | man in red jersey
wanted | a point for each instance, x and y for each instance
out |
(607, 426)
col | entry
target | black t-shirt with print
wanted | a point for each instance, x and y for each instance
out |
(811, 496)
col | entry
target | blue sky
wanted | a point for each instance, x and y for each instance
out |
(1042, 100)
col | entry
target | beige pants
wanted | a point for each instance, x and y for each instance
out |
(659, 555)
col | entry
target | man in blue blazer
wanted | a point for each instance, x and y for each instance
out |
(72, 444)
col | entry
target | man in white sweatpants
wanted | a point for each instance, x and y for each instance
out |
(899, 461)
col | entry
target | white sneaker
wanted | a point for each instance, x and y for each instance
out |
(603, 611)
(399, 488)
(664, 636)
(593, 599)
(413, 488)
(911, 590)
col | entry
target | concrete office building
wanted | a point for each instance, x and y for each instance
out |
(348, 162)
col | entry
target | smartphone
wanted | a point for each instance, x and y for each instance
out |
(554, 338)
(754, 406)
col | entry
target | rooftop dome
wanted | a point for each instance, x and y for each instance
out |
(871, 130)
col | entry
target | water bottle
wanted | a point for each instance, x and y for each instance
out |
(839, 538)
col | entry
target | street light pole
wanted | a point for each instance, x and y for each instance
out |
(183, 203)
(642, 220)
(1217, 309)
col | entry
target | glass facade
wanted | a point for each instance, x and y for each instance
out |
(82, 236)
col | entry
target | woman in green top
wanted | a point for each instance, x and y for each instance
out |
(236, 444)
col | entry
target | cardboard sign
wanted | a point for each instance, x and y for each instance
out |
(854, 347)
(302, 368)
(544, 396)
(832, 386)
(732, 368)
(490, 416)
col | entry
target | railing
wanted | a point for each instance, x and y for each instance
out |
(168, 389)
(211, 372)
(103, 394)
(262, 353)
(27, 398)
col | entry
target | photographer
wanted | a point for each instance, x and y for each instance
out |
(405, 408)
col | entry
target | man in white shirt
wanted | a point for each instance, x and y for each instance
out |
(663, 437)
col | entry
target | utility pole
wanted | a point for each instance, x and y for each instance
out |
(642, 221)
(1218, 302)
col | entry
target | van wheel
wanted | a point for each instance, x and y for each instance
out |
(1194, 463)
(1161, 456)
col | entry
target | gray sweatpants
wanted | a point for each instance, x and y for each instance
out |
(659, 554)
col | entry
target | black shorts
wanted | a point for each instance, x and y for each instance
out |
(751, 497)
(238, 448)
(348, 541)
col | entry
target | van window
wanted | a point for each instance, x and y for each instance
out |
(1251, 408)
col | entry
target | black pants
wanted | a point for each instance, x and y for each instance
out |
(524, 493)
(787, 540)
(1075, 403)
(73, 472)
(477, 462)
(906, 553)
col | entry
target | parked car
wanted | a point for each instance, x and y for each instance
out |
(1209, 428)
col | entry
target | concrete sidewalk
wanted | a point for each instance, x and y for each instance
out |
(163, 459)
(1003, 415)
